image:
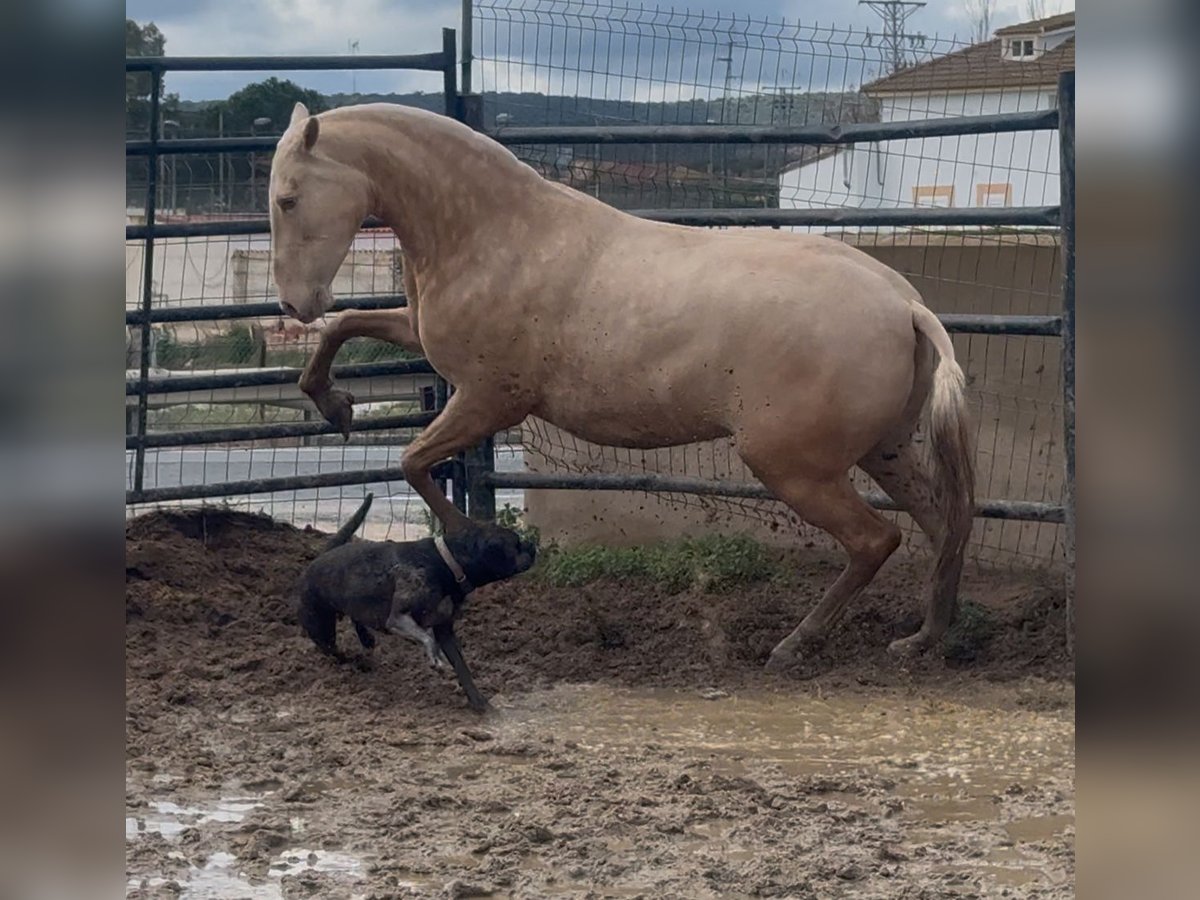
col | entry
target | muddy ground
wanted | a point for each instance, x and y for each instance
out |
(636, 747)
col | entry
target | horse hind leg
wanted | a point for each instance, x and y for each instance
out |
(869, 539)
(898, 466)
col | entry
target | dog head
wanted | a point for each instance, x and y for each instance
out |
(490, 553)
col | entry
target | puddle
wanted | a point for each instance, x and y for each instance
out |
(1038, 828)
(170, 819)
(805, 735)
(220, 876)
(950, 760)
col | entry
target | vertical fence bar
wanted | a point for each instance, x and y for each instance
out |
(442, 389)
(480, 461)
(1066, 151)
(450, 71)
(468, 10)
(143, 407)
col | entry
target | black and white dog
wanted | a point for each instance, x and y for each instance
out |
(412, 588)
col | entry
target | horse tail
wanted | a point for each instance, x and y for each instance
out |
(346, 532)
(953, 450)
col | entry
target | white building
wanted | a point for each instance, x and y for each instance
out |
(1016, 71)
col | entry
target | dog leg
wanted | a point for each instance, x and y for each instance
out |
(404, 625)
(449, 644)
(364, 636)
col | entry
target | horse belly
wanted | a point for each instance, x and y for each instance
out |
(639, 422)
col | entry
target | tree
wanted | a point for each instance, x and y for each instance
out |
(144, 40)
(141, 40)
(1035, 9)
(979, 15)
(272, 99)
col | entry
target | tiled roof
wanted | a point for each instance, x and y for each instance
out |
(982, 67)
(1040, 26)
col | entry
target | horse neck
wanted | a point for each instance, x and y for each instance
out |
(434, 186)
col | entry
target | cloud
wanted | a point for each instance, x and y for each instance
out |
(298, 27)
(555, 46)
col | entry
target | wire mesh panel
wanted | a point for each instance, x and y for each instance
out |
(605, 63)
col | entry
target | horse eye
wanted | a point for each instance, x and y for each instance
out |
(287, 203)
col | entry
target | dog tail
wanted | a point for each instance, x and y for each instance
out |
(346, 532)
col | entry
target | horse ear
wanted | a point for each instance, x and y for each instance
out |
(312, 127)
(299, 111)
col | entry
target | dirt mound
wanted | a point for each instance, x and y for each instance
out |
(213, 591)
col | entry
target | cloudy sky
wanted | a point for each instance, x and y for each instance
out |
(525, 57)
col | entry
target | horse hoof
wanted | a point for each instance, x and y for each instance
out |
(779, 661)
(909, 647)
(337, 408)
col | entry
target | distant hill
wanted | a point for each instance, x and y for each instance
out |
(637, 176)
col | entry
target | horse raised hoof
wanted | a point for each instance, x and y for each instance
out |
(337, 407)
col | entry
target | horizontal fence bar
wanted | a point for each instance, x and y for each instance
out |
(178, 384)
(213, 313)
(1045, 216)
(988, 509)
(1042, 120)
(851, 133)
(178, 146)
(421, 62)
(986, 216)
(237, 433)
(962, 323)
(275, 485)
(955, 323)
(225, 228)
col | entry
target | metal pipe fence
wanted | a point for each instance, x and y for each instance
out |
(150, 232)
(476, 481)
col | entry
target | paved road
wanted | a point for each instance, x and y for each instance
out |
(394, 502)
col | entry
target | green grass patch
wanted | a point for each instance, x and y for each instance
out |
(712, 563)
(239, 346)
(973, 629)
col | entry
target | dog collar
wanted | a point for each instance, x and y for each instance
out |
(460, 577)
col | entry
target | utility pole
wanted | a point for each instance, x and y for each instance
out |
(728, 60)
(894, 14)
(220, 161)
(352, 49)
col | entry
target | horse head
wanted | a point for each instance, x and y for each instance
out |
(317, 204)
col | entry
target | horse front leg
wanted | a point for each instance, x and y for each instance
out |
(470, 416)
(335, 404)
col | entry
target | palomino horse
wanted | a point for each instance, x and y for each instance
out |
(534, 299)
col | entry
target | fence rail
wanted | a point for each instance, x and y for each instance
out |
(665, 484)
(998, 217)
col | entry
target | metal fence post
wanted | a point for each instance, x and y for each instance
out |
(467, 41)
(143, 403)
(479, 462)
(442, 388)
(1066, 152)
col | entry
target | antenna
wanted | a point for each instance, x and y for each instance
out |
(894, 14)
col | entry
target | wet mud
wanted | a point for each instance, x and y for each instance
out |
(636, 747)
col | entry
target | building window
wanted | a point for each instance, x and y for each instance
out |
(996, 193)
(1020, 48)
(933, 195)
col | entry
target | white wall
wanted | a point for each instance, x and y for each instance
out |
(885, 174)
(206, 270)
